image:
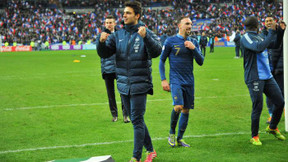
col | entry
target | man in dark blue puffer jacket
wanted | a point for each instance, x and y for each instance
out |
(109, 75)
(135, 46)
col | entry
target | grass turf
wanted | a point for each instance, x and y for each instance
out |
(47, 100)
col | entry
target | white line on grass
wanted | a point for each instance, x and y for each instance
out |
(115, 142)
(106, 103)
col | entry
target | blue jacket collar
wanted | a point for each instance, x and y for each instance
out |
(134, 28)
(181, 37)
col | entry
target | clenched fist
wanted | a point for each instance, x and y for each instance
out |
(189, 44)
(104, 37)
(142, 31)
(282, 24)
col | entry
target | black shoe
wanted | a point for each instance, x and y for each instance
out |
(114, 119)
(126, 119)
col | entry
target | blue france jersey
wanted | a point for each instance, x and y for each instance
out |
(263, 66)
(180, 59)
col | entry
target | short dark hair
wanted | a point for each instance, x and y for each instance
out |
(181, 18)
(270, 15)
(137, 7)
(110, 17)
(251, 23)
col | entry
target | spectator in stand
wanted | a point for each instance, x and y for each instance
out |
(39, 22)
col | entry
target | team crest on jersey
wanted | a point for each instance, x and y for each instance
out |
(175, 97)
(136, 45)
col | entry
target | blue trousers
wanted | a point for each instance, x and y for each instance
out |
(136, 106)
(273, 92)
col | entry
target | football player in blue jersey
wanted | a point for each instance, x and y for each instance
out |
(181, 50)
(258, 76)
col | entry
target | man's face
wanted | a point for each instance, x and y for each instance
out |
(268, 22)
(185, 26)
(129, 16)
(110, 24)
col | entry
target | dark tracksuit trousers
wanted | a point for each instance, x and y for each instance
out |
(271, 90)
(136, 106)
(110, 87)
(237, 50)
(203, 49)
(212, 48)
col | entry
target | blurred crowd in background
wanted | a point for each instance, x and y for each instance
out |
(23, 21)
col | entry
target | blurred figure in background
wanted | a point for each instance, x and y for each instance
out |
(109, 74)
(237, 44)
(203, 43)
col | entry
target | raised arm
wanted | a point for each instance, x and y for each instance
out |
(275, 44)
(258, 46)
(152, 44)
(105, 44)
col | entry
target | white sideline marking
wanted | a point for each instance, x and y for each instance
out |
(116, 142)
(106, 103)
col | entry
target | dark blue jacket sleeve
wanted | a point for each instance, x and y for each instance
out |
(164, 54)
(276, 40)
(152, 44)
(107, 48)
(258, 46)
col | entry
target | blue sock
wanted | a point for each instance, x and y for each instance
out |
(182, 125)
(174, 120)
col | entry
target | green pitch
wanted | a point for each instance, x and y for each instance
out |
(53, 108)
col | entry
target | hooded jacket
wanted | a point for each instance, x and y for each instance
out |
(133, 58)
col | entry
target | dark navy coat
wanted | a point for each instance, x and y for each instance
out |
(276, 53)
(133, 58)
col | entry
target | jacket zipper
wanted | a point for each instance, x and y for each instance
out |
(128, 58)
